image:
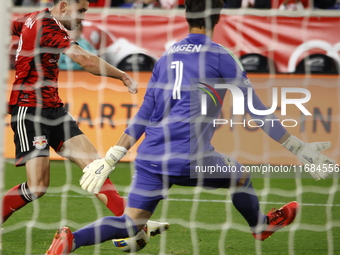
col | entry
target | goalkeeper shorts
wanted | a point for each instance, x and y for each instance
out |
(149, 188)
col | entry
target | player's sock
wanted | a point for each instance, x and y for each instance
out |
(115, 203)
(14, 199)
(247, 203)
(105, 229)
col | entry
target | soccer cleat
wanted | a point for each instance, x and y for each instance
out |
(153, 228)
(62, 242)
(278, 219)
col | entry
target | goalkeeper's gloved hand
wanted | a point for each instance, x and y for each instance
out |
(96, 172)
(309, 154)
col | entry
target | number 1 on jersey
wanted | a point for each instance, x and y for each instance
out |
(178, 66)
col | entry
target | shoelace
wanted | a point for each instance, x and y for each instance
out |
(274, 215)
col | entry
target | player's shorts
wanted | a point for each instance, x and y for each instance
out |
(38, 129)
(149, 188)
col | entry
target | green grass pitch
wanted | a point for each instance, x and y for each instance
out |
(202, 222)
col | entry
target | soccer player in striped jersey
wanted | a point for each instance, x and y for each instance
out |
(39, 120)
(38, 117)
(177, 139)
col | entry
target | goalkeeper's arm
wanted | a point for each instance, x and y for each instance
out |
(97, 171)
(307, 153)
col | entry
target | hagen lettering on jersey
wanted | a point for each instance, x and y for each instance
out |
(185, 47)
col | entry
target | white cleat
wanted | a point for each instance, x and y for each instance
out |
(154, 228)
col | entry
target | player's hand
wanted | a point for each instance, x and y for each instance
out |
(309, 154)
(96, 172)
(130, 83)
(95, 175)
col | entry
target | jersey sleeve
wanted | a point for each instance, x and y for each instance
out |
(141, 120)
(234, 73)
(16, 26)
(271, 124)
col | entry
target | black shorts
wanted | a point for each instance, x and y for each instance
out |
(38, 129)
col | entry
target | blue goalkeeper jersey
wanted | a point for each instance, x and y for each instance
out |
(178, 129)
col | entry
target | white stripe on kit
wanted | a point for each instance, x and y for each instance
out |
(21, 129)
(24, 192)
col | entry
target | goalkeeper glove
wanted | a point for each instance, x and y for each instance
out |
(96, 172)
(309, 154)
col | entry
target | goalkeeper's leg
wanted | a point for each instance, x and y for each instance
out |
(262, 226)
(107, 228)
(247, 203)
(145, 194)
(241, 188)
(141, 205)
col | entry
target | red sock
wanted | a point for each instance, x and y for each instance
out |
(115, 202)
(14, 199)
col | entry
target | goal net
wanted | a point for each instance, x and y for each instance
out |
(5, 14)
(287, 54)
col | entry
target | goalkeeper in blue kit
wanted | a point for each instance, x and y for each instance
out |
(177, 139)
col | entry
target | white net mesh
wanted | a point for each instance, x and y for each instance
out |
(5, 13)
(202, 221)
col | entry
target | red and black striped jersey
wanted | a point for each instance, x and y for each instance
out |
(41, 40)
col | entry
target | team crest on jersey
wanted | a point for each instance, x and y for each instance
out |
(40, 142)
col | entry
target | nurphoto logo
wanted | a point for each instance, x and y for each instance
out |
(238, 96)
